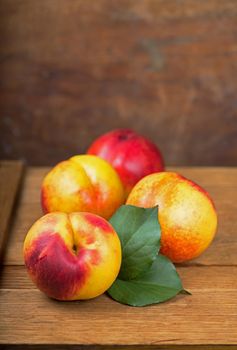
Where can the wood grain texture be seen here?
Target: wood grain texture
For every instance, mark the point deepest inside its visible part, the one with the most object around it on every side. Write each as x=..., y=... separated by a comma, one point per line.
x=71, y=70
x=10, y=175
x=205, y=320
x=220, y=182
x=115, y=347
x=194, y=278
x=207, y=317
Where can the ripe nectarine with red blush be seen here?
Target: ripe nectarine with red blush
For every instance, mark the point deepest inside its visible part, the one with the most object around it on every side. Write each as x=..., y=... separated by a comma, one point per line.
x=82, y=183
x=132, y=155
x=187, y=214
x=72, y=256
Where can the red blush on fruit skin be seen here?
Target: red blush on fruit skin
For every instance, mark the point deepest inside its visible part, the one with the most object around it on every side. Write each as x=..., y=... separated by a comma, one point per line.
x=56, y=270
x=99, y=222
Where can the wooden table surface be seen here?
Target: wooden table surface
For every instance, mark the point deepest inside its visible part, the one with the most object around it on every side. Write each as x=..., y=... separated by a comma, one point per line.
x=208, y=316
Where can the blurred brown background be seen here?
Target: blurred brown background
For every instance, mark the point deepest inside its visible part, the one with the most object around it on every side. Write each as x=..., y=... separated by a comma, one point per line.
x=71, y=70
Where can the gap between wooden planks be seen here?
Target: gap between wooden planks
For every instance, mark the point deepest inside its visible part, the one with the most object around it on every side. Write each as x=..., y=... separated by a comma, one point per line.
x=10, y=176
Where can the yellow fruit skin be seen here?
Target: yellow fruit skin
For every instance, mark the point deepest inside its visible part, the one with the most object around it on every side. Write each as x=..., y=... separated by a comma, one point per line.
x=187, y=214
x=72, y=256
x=82, y=183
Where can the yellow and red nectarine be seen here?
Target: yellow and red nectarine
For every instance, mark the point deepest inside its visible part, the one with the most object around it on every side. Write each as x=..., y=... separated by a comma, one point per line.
x=82, y=183
x=186, y=213
x=72, y=256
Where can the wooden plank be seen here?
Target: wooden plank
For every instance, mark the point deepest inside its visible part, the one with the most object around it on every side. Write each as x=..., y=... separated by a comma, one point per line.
x=116, y=347
x=161, y=67
x=194, y=278
x=204, y=320
x=220, y=182
x=209, y=316
x=10, y=175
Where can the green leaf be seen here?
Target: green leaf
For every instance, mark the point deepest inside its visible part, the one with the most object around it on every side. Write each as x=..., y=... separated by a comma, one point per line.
x=159, y=283
x=139, y=233
x=145, y=277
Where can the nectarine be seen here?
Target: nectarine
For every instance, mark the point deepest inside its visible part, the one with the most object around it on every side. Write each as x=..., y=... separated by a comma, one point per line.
x=132, y=155
x=72, y=256
x=82, y=183
x=186, y=213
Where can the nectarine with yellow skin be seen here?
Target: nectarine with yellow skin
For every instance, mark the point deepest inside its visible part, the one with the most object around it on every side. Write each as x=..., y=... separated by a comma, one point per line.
x=82, y=183
x=72, y=256
x=187, y=214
